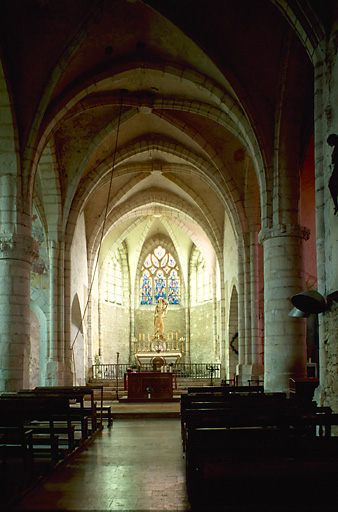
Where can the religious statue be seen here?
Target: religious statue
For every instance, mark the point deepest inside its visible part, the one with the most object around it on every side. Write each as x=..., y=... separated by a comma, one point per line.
x=160, y=314
x=332, y=141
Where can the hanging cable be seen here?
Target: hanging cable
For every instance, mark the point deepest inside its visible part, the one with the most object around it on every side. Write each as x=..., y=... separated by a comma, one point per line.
x=123, y=91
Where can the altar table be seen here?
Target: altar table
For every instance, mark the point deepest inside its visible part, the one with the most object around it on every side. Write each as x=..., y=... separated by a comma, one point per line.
x=149, y=385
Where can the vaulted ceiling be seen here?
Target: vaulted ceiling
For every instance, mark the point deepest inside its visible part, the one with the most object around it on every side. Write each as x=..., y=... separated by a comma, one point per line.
x=170, y=106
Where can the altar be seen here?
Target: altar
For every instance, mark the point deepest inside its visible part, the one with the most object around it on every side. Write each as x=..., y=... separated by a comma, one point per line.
x=148, y=359
x=149, y=386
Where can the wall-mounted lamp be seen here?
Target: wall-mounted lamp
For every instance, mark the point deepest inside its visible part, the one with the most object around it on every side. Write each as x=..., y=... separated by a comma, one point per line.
x=311, y=302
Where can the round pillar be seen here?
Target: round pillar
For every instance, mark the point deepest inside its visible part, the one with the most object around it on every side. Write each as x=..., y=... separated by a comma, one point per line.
x=285, y=336
x=17, y=253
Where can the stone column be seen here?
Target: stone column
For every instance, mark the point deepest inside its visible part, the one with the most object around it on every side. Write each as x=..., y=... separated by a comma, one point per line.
x=52, y=363
x=241, y=315
x=256, y=342
x=17, y=253
x=285, y=337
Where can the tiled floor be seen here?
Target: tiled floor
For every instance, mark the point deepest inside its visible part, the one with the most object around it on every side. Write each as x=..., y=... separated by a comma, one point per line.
x=136, y=465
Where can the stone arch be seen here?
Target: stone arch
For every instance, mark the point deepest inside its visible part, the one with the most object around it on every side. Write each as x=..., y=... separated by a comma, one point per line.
x=9, y=158
x=144, y=203
x=37, y=136
x=51, y=193
x=227, y=192
x=217, y=95
x=306, y=25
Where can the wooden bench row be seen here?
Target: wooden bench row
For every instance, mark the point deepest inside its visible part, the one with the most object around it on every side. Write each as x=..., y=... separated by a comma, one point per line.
x=48, y=424
x=236, y=443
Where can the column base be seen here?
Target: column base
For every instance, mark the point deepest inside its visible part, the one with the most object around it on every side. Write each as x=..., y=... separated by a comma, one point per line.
x=58, y=374
x=249, y=372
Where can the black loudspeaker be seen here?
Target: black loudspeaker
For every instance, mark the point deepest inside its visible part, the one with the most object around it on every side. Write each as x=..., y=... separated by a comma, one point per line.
x=310, y=302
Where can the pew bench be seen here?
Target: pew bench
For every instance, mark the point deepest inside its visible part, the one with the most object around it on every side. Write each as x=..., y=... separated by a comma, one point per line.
x=225, y=390
x=77, y=395
x=16, y=442
x=23, y=410
x=70, y=419
x=233, y=465
x=205, y=408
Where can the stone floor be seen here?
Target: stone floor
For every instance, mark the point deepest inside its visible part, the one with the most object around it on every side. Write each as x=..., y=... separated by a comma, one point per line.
x=136, y=465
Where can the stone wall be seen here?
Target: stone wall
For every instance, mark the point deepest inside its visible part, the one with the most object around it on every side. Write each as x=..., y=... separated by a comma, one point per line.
x=331, y=350
x=202, y=334
x=115, y=333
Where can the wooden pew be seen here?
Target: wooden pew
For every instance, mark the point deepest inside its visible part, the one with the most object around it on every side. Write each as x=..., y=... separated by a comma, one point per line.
x=16, y=458
x=277, y=469
x=26, y=409
x=196, y=407
x=104, y=411
x=80, y=414
x=225, y=389
x=96, y=411
x=16, y=442
x=245, y=438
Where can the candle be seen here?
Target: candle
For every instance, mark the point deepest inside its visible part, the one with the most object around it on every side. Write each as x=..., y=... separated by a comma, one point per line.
x=144, y=337
x=176, y=336
x=148, y=336
x=139, y=337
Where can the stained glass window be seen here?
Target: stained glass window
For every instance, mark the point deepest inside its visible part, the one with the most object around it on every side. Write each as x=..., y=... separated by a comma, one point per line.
x=146, y=288
x=113, y=281
x=160, y=285
x=174, y=287
x=160, y=277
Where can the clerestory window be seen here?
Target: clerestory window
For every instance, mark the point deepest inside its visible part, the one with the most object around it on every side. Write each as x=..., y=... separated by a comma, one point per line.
x=113, y=280
x=203, y=281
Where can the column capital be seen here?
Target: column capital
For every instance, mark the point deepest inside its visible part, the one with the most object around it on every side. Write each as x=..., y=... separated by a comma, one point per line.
x=18, y=247
x=283, y=230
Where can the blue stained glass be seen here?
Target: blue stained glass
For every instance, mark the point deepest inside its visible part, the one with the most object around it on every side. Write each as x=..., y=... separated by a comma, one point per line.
x=174, y=288
x=147, y=262
x=160, y=285
x=146, y=289
x=154, y=282
x=172, y=261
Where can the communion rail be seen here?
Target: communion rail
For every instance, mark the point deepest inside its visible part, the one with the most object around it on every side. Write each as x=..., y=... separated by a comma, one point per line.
x=182, y=370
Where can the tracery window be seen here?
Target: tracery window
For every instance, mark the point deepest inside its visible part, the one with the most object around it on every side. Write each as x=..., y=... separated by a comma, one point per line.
x=160, y=277
x=203, y=282
x=113, y=280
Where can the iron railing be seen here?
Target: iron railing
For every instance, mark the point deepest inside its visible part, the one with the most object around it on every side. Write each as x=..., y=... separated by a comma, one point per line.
x=182, y=370
x=109, y=371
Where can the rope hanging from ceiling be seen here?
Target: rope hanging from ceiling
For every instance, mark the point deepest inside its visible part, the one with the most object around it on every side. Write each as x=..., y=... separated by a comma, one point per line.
x=80, y=328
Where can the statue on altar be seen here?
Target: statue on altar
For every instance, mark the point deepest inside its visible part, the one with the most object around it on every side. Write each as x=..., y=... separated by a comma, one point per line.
x=160, y=314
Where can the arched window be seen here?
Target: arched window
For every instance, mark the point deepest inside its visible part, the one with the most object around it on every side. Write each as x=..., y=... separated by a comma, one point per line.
x=160, y=278
x=113, y=280
x=203, y=282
